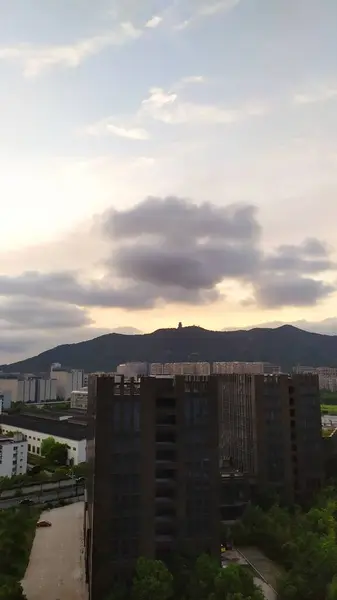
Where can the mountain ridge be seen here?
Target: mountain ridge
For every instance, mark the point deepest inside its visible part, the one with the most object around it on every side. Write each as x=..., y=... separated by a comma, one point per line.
x=285, y=345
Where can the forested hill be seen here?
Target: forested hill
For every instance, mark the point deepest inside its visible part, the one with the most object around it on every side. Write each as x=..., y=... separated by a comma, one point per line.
x=285, y=345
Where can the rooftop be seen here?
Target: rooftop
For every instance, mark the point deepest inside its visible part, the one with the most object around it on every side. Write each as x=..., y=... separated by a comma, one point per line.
x=65, y=429
x=9, y=440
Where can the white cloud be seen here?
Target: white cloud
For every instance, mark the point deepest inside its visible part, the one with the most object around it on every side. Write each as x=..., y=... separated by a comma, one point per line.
x=207, y=9
x=106, y=127
x=154, y=22
x=322, y=94
x=37, y=59
x=193, y=79
x=168, y=108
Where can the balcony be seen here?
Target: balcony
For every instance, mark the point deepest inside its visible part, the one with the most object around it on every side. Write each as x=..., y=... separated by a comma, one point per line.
x=164, y=540
x=167, y=500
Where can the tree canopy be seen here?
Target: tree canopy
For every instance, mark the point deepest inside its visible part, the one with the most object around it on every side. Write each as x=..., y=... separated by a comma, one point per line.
x=305, y=543
x=54, y=452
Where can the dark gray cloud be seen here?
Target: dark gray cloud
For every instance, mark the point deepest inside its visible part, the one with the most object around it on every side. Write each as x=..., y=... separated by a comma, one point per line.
x=311, y=256
x=170, y=250
x=280, y=291
x=193, y=267
x=174, y=218
x=32, y=313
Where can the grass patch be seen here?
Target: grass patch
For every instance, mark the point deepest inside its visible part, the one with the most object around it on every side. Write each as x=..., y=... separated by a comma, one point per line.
x=17, y=532
x=329, y=409
x=328, y=397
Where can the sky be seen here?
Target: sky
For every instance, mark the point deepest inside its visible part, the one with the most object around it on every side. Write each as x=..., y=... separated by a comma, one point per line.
x=165, y=161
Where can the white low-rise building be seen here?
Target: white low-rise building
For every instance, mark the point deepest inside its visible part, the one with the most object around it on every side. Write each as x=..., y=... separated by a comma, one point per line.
x=37, y=429
x=13, y=455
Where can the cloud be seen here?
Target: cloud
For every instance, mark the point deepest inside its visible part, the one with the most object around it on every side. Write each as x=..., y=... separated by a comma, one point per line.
x=35, y=60
x=30, y=324
x=31, y=313
x=283, y=290
x=201, y=9
x=106, y=127
x=154, y=22
x=311, y=256
x=168, y=108
x=209, y=9
x=171, y=250
x=325, y=327
x=193, y=79
x=319, y=94
x=15, y=345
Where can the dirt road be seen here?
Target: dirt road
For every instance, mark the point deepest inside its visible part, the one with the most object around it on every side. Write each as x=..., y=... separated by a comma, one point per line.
x=55, y=566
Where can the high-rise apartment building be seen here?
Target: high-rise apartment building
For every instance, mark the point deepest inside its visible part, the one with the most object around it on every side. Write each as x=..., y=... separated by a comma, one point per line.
x=155, y=483
x=270, y=429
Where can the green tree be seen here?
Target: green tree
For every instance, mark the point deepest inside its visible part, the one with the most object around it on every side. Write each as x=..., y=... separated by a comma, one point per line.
x=153, y=581
x=235, y=580
x=332, y=589
x=11, y=590
x=203, y=577
x=54, y=452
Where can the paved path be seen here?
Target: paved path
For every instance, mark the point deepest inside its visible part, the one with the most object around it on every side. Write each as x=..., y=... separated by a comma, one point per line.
x=268, y=592
x=55, y=566
x=268, y=569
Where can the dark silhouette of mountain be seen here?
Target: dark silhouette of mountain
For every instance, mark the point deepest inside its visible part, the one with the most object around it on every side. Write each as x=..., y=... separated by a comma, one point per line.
x=286, y=346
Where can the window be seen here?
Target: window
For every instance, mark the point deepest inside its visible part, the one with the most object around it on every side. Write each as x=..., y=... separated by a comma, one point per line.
x=33, y=448
x=166, y=402
x=37, y=450
x=29, y=448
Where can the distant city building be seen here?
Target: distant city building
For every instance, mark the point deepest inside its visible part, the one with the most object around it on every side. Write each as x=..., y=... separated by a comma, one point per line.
x=253, y=368
x=9, y=383
x=216, y=368
x=180, y=368
x=67, y=380
x=36, y=390
x=36, y=429
x=327, y=376
x=13, y=455
x=154, y=488
x=5, y=401
x=133, y=369
x=270, y=429
x=79, y=399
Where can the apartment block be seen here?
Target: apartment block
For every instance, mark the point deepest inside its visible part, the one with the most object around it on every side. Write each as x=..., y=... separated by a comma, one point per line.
x=270, y=429
x=13, y=455
x=155, y=482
